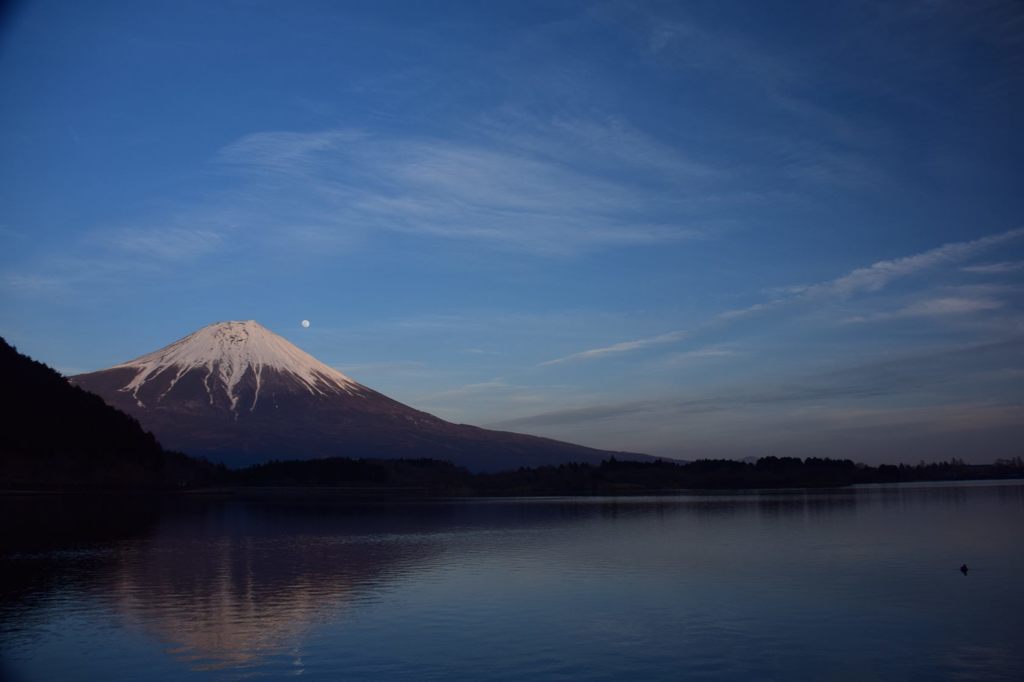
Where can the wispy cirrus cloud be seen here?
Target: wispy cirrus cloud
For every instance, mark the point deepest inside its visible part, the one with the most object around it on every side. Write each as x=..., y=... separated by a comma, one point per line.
x=555, y=186
x=496, y=384
x=36, y=285
x=480, y=351
x=551, y=187
x=622, y=347
x=935, y=307
x=872, y=278
x=110, y=255
x=174, y=243
x=842, y=154
x=995, y=268
x=579, y=415
x=608, y=145
x=701, y=354
x=877, y=276
x=880, y=274
x=67, y=277
x=498, y=395
x=912, y=374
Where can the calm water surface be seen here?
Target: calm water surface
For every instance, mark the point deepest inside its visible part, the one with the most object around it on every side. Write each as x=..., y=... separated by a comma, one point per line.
x=844, y=585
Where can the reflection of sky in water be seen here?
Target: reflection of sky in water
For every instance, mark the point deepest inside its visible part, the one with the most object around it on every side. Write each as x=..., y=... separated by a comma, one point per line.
x=844, y=585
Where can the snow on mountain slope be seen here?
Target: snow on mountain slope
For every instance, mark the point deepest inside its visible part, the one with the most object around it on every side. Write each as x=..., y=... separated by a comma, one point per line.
x=226, y=352
x=237, y=393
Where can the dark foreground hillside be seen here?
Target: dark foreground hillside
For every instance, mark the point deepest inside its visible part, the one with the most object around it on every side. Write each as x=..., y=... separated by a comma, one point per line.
x=56, y=435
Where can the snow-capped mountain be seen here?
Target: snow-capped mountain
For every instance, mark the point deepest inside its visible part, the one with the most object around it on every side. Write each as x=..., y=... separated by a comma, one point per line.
x=232, y=358
x=238, y=393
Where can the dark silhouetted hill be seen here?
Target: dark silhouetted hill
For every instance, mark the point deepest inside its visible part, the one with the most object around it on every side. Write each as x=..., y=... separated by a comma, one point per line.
x=56, y=435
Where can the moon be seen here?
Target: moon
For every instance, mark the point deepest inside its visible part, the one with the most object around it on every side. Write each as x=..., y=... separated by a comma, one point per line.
x=305, y=324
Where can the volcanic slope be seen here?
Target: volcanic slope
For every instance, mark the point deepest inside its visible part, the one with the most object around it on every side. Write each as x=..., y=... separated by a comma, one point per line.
x=237, y=393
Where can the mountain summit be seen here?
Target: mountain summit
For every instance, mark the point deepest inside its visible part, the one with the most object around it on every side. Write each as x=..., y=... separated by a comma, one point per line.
x=233, y=358
x=236, y=392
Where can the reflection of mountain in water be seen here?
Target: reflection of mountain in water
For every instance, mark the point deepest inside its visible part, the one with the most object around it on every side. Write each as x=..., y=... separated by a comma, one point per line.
x=246, y=582
x=746, y=586
x=220, y=582
x=227, y=582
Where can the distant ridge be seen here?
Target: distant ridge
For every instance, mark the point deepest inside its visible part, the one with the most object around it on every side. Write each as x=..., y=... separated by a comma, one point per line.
x=237, y=393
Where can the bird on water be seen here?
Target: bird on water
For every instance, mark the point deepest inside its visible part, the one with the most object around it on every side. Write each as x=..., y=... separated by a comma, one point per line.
x=963, y=568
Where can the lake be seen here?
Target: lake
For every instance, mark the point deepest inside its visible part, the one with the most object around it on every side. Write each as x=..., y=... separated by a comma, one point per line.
x=851, y=584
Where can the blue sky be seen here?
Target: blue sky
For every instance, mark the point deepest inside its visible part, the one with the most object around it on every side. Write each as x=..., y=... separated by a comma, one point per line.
x=690, y=229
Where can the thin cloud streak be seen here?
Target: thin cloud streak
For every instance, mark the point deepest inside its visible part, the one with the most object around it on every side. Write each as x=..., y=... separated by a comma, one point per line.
x=700, y=354
x=910, y=375
x=868, y=279
x=878, y=275
x=623, y=347
x=995, y=268
x=936, y=307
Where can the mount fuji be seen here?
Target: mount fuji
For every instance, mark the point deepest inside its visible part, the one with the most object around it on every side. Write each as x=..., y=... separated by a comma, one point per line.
x=237, y=393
